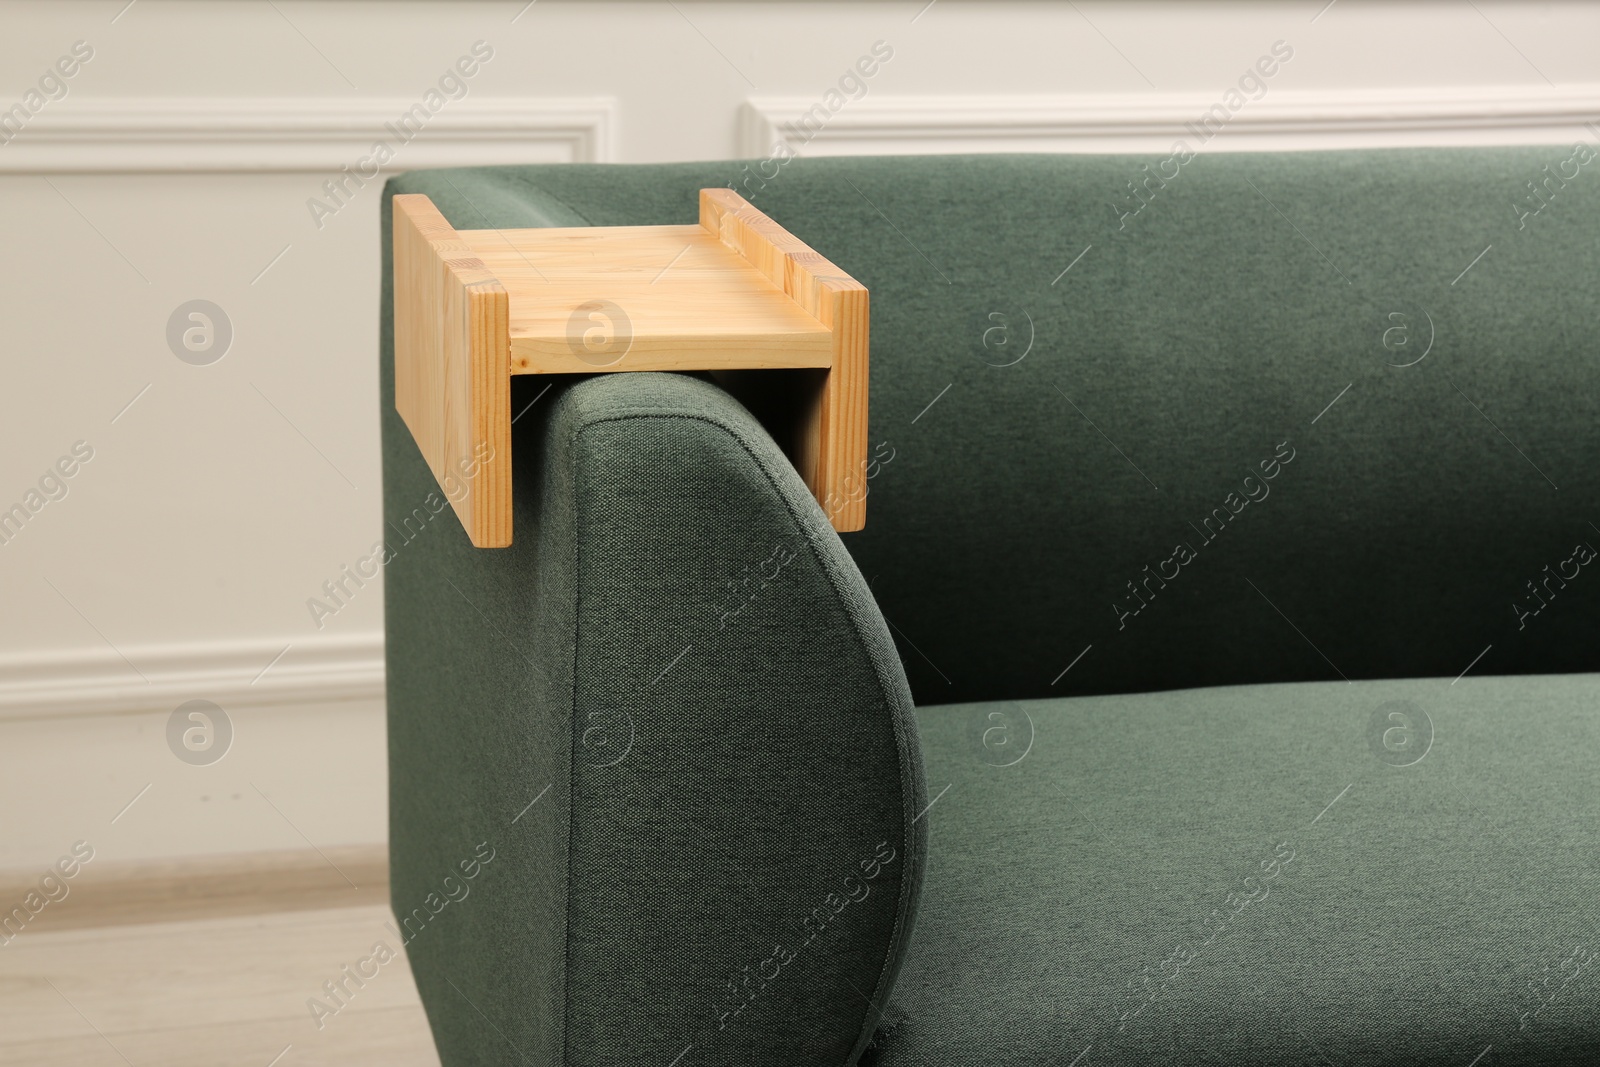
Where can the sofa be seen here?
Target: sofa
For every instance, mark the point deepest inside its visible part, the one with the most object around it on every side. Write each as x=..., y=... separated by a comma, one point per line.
x=1216, y=679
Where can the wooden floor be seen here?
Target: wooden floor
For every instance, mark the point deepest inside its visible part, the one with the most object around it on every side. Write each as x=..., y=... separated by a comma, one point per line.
x=220, y=988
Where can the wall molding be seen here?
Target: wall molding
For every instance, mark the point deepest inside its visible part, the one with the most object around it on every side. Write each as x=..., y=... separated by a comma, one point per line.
x=187, y=888
x=1150, y=122
x=98, y=681
x=265, y=135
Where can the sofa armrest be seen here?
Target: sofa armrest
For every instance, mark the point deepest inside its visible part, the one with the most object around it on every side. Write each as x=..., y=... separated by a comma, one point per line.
x=654, y=779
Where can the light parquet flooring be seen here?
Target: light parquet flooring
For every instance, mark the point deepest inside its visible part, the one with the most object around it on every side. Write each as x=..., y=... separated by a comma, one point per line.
x=208, y=992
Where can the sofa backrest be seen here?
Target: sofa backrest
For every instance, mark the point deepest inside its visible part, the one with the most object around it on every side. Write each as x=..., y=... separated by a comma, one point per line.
x=1208, y=418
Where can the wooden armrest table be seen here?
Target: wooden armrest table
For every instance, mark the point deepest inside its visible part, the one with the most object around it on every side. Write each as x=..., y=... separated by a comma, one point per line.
x=735, y=293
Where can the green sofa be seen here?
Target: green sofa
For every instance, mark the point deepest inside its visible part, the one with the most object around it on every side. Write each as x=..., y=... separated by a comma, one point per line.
x=1214, y=681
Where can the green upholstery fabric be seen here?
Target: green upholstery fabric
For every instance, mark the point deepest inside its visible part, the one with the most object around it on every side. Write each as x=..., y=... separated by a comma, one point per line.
x=653, y=762
x=1442, y=896
x=1062, y=392
x=1218, y=323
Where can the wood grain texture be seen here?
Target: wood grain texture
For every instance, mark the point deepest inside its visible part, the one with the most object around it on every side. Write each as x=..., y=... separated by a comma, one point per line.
x=200, y=992
x=637, y=298
x=831, y=454
x=452, y=367
x=737, y=293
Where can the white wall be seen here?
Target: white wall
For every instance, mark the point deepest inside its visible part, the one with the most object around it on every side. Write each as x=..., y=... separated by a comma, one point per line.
x=179, y=165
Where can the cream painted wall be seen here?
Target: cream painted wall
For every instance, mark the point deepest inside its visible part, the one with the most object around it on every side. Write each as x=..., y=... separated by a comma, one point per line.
x=179, y=562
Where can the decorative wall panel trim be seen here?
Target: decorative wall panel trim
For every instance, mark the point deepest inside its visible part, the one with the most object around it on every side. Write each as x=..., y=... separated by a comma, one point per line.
x=99, y=681
x=1100, y=122
x=134, y=135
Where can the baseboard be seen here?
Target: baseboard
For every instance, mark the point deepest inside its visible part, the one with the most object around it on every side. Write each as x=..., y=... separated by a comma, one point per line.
x=1150, y=122
x=202, y=887
x=98, y=681
x=255, y=135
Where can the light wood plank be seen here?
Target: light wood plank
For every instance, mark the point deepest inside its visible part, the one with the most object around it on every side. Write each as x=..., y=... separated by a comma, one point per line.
x=204, y=992
x=735, y=294
x=452, y=367
x=831, y=454
x=670, y=298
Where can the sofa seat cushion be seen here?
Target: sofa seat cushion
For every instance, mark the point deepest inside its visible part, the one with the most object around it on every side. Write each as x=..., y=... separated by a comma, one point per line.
x=1388, y=872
